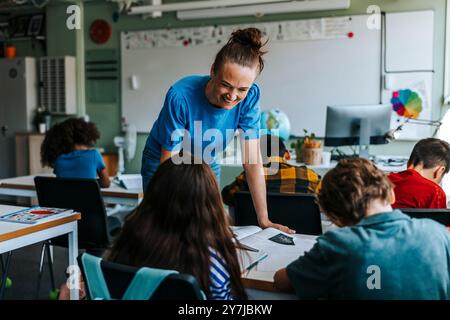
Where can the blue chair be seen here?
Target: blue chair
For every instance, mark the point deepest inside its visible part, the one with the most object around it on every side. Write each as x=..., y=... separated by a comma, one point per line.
x=107, y=280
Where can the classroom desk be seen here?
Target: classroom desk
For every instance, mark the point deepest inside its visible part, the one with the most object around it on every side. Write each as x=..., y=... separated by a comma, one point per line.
x=24, y=187
x=17, y=235
x=231, y=167
x=321, y=168
x=259, y=281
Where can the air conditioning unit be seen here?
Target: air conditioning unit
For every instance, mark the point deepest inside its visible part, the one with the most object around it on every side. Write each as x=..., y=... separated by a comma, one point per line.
x=57, y=85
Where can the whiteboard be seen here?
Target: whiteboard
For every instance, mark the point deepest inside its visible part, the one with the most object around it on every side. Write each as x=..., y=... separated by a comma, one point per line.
x=310, y=64
x=409, y=65
x=409, y=41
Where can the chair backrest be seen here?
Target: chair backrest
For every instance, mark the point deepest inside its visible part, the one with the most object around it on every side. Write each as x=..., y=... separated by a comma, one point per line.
x=81, y=195
x=298, y=211
x=438, y=215
x=118, y=277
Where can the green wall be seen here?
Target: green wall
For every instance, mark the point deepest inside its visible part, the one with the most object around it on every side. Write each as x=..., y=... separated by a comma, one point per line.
x=106, y=112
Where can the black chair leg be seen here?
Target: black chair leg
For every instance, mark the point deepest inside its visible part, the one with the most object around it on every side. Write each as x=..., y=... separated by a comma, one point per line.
x=41, y=267
x=49, y=249
x=5, y=267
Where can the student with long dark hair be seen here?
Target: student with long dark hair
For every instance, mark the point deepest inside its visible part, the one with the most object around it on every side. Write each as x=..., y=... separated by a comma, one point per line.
x=181, y=224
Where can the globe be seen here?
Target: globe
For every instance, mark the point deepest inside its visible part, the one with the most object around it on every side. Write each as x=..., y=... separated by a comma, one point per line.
x=276, y=123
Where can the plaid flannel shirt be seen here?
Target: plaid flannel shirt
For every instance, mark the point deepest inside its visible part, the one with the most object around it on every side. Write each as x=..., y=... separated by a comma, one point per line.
x=285, y=179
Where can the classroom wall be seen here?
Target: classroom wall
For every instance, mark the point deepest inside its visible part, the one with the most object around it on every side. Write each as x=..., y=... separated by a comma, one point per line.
x=107, y=114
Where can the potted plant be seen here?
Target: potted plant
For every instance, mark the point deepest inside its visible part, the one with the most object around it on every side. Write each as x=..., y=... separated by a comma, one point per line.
x=8, y=49
x=308, y=149
x=42, y=120
x=297, y=146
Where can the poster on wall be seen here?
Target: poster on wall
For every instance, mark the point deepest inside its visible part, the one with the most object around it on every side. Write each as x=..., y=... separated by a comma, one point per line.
x=409, y=94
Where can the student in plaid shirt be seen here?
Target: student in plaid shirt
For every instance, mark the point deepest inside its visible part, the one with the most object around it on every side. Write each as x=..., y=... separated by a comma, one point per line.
x=285, y=178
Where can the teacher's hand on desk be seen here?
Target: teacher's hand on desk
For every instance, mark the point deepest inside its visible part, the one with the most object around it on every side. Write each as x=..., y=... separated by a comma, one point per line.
x=270, y=224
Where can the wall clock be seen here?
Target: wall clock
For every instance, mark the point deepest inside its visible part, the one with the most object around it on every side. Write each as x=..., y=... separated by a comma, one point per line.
x=100, y=31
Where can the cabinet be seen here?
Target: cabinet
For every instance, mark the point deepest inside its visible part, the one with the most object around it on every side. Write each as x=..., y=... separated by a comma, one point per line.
x=18, y=100
x=111, y=163
x=28, y=154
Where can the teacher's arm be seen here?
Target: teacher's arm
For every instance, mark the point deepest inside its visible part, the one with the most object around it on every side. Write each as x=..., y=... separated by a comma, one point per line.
x=252, y=162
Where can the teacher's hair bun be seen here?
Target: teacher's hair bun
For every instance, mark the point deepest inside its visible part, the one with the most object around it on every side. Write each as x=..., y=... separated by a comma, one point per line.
x=243, y=48
x=251, y=37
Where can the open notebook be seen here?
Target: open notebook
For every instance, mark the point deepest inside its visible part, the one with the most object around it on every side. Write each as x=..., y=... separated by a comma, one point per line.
x=249, y=256
x=129, y=181
x=276, y=249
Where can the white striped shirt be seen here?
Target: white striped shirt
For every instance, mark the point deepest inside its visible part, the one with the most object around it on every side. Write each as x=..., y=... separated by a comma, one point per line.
x=220, y=284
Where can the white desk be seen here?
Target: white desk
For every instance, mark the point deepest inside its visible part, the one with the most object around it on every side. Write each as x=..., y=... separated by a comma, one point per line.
x=17, y=235
x=235, y=164
x=24, y=187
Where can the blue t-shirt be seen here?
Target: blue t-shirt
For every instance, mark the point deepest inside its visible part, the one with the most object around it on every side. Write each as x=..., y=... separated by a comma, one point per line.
x=384, y=256
x=186, y=104
x=79, y=164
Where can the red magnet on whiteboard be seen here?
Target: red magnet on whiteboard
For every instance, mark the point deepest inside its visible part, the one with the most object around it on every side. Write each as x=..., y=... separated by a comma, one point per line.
x=185, y=43
x=350, y=34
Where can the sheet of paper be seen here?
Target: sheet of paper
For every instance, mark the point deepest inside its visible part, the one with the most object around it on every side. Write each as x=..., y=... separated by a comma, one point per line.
x=244, y=231
x=129, y=181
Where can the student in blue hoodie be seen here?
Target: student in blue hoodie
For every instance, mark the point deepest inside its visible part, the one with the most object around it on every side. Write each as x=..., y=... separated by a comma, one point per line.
x=68, y=148
x=378, y=253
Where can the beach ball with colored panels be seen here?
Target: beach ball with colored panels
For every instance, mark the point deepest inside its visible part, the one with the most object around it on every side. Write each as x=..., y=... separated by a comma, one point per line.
x=406, y=103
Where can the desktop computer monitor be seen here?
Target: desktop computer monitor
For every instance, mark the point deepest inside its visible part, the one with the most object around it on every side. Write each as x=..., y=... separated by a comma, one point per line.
x=361, y=125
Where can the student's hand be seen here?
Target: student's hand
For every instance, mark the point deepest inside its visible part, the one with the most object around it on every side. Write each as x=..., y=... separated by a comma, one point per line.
x=281, y=281
x=104, y=180
x=270, y=224
x=64, y=292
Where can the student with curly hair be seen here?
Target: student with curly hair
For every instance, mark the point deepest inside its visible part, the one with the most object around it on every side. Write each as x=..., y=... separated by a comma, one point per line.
x=68, y=148
x=378, y=253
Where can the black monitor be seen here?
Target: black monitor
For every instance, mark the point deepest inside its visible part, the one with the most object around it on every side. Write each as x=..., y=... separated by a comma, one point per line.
x=361, y=125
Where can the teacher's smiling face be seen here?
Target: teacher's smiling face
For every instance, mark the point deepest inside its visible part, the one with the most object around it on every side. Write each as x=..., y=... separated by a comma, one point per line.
x=229, y=85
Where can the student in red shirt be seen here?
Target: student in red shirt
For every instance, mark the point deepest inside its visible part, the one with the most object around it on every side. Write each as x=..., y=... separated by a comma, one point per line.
x=418, y=186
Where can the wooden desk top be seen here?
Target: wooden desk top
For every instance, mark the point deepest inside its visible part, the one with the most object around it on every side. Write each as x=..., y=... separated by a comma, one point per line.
x=11, y=230
x=260, y=281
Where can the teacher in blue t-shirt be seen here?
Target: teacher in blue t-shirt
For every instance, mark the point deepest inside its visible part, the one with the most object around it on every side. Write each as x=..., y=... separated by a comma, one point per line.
x=203, y=112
